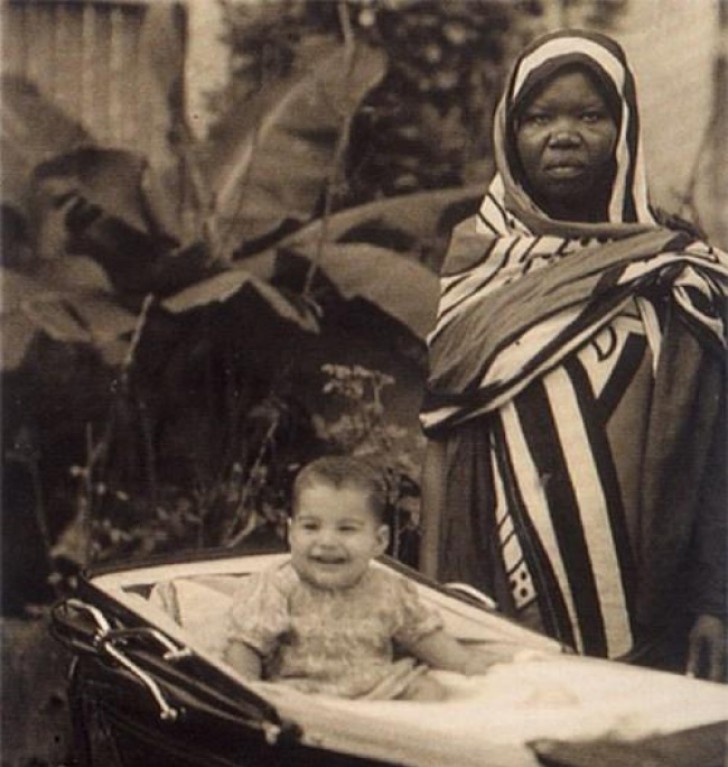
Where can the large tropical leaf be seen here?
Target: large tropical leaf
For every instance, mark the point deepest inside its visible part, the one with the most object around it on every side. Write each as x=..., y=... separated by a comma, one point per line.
x=275, y=153
x=170, y=189
x=97, y=202
x=358, y=258
x=108, y=179
x=415, y=223
x=418, y=225
x=392, y=283
x=32, y=130
x=227, y=285
x=71, y=304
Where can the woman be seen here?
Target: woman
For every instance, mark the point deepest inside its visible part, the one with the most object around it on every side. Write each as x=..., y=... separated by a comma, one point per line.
x=575, y=406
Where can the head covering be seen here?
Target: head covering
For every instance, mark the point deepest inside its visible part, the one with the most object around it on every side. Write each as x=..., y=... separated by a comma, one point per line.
x=538, y=63
x=520, y=290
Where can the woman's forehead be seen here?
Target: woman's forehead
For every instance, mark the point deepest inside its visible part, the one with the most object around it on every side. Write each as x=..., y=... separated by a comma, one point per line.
x=572, y=83
x=556, y=52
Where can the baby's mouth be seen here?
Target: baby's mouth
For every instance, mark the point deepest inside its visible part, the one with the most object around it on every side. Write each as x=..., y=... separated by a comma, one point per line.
x=329, y=561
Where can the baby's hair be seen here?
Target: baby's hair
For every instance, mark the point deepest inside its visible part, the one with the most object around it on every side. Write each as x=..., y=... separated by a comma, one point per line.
x=339, y=471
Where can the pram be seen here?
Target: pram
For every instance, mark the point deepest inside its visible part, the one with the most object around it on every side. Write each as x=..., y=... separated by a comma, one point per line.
x=148, y=687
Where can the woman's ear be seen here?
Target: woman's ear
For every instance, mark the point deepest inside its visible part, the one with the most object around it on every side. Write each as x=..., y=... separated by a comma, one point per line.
x=382, y=539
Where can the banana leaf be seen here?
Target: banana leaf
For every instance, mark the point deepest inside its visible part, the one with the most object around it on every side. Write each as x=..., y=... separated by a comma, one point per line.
x=276, y=152
x=388, y=282
x=32, y=131
x=407, y=223
x=69, y=303
x=230, y=284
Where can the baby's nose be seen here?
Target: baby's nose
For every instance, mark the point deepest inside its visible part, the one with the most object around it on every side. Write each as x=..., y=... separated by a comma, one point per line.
x=326, y=537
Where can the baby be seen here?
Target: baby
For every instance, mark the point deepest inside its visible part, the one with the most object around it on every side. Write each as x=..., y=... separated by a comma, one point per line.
x=327, y=621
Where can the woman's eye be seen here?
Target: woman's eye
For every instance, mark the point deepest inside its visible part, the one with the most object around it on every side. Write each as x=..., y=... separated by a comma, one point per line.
x=347, y=529
x=592, y=117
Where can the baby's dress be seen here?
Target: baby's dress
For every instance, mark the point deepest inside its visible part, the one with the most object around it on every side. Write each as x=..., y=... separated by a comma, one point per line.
x=334, y=642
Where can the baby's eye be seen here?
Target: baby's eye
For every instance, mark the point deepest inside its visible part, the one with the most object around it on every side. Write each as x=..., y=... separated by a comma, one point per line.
x=536, y=118
x=308, y=526
x=348, y=528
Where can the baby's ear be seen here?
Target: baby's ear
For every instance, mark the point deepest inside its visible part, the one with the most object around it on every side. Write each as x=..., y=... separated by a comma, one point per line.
x=383, y=538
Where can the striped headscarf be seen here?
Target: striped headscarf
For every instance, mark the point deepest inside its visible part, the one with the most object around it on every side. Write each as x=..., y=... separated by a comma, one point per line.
x=520, y=290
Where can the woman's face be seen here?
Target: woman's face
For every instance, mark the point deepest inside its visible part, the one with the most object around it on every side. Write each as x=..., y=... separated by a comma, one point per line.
x=565, y=139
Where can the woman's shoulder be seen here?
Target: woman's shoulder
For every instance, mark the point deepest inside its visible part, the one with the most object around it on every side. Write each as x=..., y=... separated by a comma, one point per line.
x=677, y=223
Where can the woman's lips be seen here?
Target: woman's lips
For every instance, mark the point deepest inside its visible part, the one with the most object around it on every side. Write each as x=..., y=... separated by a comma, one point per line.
x=565, y=169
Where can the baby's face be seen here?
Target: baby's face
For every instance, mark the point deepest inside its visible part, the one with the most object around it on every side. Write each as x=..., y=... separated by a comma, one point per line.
x=334, y=535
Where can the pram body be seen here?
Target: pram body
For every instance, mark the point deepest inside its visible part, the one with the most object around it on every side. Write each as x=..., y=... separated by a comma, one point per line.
x=148, y=688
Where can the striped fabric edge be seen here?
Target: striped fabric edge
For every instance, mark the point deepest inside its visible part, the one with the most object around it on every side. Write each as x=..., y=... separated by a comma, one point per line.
x=545, y=436
x=510, y=361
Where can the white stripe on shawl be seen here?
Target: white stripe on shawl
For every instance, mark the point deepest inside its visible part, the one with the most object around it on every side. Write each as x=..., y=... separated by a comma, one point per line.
x=511, y=360
x=590, y=500
x=536, y=503
x=524, y=590
x=512, y=256
x=621, y=154
x=652, y=329
x=640, y=194
x=599, y=355
x=565, y=46
x=514, y=358
x=491, y=212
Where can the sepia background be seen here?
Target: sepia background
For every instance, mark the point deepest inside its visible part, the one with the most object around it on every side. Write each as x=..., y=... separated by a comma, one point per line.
x=221, y=229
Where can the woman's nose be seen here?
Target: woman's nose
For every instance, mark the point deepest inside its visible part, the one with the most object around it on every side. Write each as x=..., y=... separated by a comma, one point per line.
x=564, y=134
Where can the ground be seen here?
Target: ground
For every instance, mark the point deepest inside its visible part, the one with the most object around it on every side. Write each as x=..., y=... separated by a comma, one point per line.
x=34, y=711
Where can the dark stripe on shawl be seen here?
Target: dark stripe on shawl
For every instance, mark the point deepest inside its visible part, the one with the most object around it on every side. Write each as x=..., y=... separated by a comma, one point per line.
x=552, y=607
x=604, y=462
x=490, y=196
x=629, y=211
x=488, y=224
x=478, y=287
x=464, y=273
x=529, y=249
x=474, y=395
x=623, y=373
x=542, y=437
x=591, y=315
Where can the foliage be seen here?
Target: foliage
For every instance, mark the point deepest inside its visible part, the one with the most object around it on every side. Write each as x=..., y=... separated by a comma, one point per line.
x=203, y=293
x=426, y=125
x=362, y=429
x=251, y=493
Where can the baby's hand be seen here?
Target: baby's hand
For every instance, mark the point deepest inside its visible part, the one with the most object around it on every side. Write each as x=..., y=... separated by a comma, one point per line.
x=478, y=663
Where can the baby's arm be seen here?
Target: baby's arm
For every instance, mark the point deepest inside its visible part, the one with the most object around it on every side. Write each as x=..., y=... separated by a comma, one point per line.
x=441, y=650
x=244, y=659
